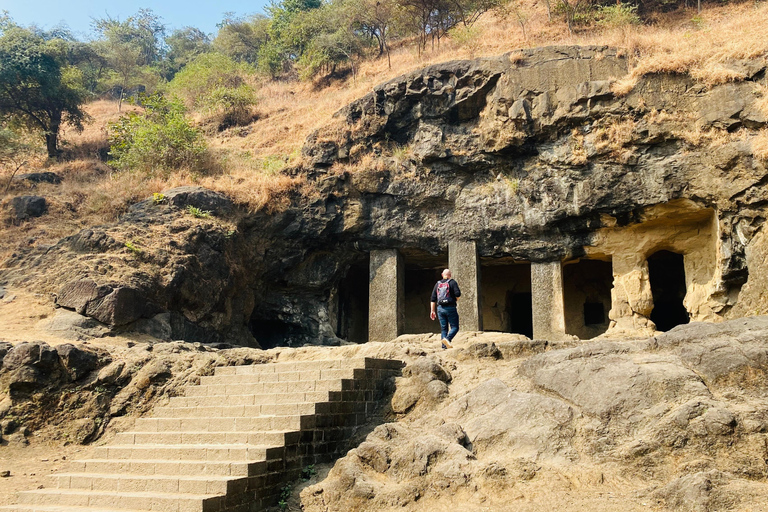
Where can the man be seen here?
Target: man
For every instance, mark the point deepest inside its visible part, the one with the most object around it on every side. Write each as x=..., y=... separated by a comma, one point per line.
x=444, y=296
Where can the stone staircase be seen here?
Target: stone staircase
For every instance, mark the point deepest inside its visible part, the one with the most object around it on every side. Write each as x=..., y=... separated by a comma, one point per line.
x=230, y=444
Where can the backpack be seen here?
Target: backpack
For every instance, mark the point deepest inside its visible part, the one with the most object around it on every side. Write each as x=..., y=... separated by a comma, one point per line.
x=444, y=293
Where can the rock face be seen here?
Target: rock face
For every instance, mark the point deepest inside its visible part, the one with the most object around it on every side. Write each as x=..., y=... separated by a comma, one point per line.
x=678, y=419
x=650, y=202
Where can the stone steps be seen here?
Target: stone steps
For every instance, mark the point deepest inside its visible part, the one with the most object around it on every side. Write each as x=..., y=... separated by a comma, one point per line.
x=236, y=400
x=263, y=438
x=165, y=467
x=229, y=445
x=235, y=411
x=220, y=424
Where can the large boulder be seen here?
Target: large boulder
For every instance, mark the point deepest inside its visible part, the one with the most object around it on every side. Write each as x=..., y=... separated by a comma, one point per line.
x=109, y=304
x=77, y=361
x=199, y=197
x=27, y=207
x=40, y=177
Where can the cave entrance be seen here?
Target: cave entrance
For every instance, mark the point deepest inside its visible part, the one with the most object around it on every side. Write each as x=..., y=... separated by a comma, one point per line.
x=353, y=297
x=271, y=333
x=666, y=272
x=587, y=288
x=422, y=271
x=505, y=286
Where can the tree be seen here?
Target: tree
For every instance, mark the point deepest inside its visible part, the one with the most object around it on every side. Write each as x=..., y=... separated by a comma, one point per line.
x=184, y=45
x=242, y=38
x=130, y=47
x=13, y=151
x=216, y=85
x=38, y=89
x=375, y=18
x=157, y=141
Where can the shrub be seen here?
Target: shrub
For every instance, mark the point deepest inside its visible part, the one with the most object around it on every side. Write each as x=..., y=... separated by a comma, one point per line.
x=156, y=141
x=217, y=86
x=618, y=15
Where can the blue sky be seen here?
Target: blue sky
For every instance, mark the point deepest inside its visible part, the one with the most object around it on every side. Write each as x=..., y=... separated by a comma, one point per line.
x=78, y=13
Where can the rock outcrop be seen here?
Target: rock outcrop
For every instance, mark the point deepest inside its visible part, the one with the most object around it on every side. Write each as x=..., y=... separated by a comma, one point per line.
x=531, y=156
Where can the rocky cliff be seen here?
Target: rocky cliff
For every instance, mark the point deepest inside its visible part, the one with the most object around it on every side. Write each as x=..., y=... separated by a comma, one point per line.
x=531, y=155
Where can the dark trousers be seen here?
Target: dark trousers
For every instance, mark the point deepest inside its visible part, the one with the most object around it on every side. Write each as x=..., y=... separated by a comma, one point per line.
x=448, y=316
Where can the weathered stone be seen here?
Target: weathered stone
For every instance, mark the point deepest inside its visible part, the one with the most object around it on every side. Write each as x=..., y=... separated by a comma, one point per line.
x=27, y=207
x=35, y=354
x=428, y=367
x=77, y=361
x=465, y=265
x=548, y=307
x=386, y=306
x=40, y=177
x=524, y=424
x=199, y=197
x=109, y=305
x=69, y=324
x=5, y=347
x=404, y=399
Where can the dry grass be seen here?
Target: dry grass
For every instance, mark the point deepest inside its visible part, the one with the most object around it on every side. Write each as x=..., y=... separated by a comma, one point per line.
x=614, y=135
x=760, y=145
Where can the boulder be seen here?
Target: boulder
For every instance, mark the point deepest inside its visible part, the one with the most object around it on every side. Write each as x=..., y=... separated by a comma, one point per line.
x=112, y=305
x=77, y=361
x=427, y=369
x=35, y=354
x=40, y=177
x=199, y=197
x=27, y=207
x=69, y=324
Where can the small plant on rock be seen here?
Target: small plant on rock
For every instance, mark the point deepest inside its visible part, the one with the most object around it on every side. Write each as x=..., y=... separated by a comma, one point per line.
x=308, y=472
x=135, y=249
x=158, y=198
x=285, y=495
x=197, y=212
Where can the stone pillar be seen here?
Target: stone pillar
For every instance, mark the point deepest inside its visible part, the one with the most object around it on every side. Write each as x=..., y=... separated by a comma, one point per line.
x=386, y=309
x=547, y=297
x=465, y=265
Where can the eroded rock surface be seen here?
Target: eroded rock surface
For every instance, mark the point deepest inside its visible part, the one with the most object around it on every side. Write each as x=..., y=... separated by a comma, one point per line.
x=678, y=435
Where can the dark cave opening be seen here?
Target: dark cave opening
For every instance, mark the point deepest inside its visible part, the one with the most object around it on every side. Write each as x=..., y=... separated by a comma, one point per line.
x=587, y=288
x=666, y=271
x=506, y=296
x=271, y=333
x=353, y=301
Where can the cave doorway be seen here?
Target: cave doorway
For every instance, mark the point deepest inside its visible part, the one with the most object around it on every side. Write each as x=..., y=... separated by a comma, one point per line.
x=422, y=271
x=505, y=286
x=271, y=333
x=353, y=300
x=587, y=286
x=666, y=273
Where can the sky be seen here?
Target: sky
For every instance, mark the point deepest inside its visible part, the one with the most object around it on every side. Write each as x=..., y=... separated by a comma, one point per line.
x=77, y=14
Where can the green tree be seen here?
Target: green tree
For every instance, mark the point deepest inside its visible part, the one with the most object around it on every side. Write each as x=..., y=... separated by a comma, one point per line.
x=377, y=19
x=242, y=38
x=130, y=48
x=216, y=85
x=39, y=90
x=183, y=46
x=158, y=140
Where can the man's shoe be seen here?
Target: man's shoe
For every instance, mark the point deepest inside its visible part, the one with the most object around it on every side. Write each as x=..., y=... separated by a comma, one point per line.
x=445, y=344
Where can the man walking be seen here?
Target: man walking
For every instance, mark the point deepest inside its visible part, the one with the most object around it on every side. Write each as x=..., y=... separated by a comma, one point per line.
x=443, y=303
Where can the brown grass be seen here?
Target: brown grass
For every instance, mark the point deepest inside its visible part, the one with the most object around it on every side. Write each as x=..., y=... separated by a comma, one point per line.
x=760, y=145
